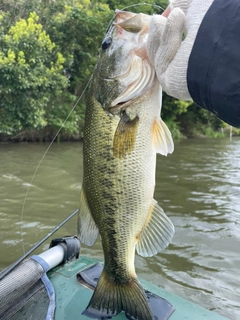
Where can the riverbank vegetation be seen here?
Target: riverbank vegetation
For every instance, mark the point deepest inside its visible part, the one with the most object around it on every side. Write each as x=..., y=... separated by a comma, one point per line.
x=48, y=50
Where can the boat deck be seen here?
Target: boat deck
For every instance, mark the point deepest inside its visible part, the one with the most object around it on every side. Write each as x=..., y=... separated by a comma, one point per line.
x=72, y=298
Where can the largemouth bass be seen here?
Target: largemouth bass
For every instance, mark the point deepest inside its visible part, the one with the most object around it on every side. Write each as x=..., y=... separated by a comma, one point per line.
x=123, y=133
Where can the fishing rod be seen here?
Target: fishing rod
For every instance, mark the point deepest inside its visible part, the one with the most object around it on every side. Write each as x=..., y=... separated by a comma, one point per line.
x=16, y=263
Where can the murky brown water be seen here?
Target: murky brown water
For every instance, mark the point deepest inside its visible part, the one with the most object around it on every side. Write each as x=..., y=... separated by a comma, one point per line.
x=198, y=187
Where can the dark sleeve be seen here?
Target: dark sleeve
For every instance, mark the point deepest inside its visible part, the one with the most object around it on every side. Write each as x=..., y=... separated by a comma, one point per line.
x=214, y=64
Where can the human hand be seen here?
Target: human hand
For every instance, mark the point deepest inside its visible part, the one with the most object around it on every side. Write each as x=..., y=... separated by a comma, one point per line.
x=167, y=51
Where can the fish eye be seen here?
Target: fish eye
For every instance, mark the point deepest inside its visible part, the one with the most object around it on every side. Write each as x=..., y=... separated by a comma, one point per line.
x=106, y=43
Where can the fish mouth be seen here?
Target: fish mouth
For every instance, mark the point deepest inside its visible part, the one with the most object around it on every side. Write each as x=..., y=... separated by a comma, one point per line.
x=120, y=107
x=136, y=75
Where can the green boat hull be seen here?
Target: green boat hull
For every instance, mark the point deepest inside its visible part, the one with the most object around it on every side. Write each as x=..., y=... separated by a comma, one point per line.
x=72, y=297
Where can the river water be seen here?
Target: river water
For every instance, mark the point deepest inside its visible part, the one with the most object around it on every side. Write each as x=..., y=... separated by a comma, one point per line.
x=198, y=186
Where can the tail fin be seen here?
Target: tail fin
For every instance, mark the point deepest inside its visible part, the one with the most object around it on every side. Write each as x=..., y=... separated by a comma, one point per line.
x=110, y=298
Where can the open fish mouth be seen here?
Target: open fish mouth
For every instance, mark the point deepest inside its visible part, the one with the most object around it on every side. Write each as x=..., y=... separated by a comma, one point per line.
x=136, y=74
x=119, y=160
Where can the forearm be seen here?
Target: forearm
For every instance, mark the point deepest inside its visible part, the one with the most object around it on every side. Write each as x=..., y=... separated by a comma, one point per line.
x=171, y=57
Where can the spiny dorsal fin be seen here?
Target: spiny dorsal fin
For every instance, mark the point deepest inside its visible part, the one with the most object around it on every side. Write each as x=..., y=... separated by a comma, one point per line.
x=162, y=137
x=87, y=229
x=156, y=233
x=125, y=136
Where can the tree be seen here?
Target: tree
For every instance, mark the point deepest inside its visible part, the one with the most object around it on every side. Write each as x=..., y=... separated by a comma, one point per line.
x=31, y=70
x=78, y=31
x=48, y=50
x=149, y=8
x=73, y=31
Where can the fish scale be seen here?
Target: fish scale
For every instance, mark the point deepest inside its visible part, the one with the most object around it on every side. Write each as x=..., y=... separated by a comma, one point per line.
x=119, y=160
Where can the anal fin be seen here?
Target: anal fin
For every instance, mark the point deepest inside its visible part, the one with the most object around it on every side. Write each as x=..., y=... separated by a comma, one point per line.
x=87, y=229
x=156, y=233
x=162, y=137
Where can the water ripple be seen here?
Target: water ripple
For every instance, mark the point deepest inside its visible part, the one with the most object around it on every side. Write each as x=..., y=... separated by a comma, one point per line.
x=198, y=187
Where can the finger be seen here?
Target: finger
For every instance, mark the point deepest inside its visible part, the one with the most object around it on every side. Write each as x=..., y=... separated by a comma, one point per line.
x=170, y=41
x=174, y=80
x=156, y=28
x=166, y=12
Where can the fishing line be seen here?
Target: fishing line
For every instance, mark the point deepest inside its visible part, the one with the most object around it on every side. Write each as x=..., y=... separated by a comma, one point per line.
x=143, y=4
x=41, y=160
x=33, y=248
x=134, y=5
x=84, y=90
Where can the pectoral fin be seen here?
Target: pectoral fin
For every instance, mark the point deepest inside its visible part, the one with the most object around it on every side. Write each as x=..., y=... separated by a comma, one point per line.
x=162, y=138
x=87, y=229
x=156, y=233
x=125, y=136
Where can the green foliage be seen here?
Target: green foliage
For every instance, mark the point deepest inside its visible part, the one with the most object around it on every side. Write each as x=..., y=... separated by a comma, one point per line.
x=144, y=7
x=172, y=107
x=199, y=122
x=78, y=31
x=162, y=3
x=30, y=71
x=48, y=50
x=82, y=28
x=46, y=62
x=173, y=126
